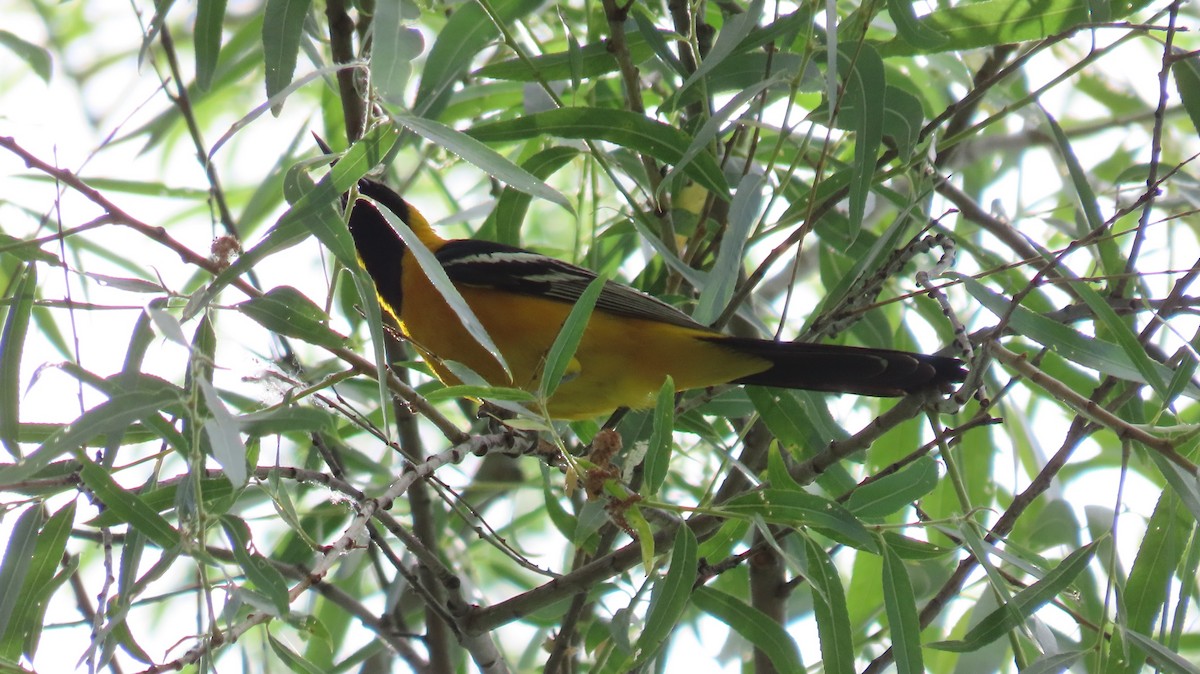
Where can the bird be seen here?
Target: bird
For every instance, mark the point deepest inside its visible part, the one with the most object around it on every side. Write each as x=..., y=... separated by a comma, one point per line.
x=632, y=340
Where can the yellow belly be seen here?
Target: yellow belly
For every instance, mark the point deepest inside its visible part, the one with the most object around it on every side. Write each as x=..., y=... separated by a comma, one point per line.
x=621, y=361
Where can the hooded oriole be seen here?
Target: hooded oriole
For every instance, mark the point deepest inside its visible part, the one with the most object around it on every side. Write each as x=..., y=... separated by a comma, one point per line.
x=632, y=340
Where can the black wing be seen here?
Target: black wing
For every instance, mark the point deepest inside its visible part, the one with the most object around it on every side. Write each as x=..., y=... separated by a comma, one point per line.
x=495, y=265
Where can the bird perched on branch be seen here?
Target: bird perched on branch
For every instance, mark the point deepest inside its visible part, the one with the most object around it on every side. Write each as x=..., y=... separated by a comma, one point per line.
x=632, y=340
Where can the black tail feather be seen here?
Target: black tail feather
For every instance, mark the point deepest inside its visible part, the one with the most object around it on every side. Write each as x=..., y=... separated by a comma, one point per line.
x=847, y=369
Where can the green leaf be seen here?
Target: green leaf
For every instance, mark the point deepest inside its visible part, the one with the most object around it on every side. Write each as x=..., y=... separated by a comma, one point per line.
x=1055, y=663
x=504, y=222
x=923, y=36
x=753, y=625
x=468, y=30
x=25, y=624
x=1186, y=72
x=515, y=395
x=861, y=110
x=564, y=521
x=294, y=661
x=12, y=345
x=592, y=60
x=830, y=610
x=486, y=159
x=1023, y=604
x=893, y=492
x=312, y=213
x=671, y=598
x=162, y=499
x=798, y=508
x=658, y=454
x=903, y=621
x=283, y=29
x=1152, y=575
x=743, y=214
x=224, y=437
x=394, y=48
x=562, y=352
x=288, y=419
x=37, y=58
x=437, y=276
x=1089, y=352
x=995, y=22
x=903, y=117
x=1165, y=659
x=287, y=311
x=210, y=14
x=18, y=556
x=139, y=401
x=258, y=569
x=26, y=251
x=622, y=127
x=733, y=33
x=128, y=506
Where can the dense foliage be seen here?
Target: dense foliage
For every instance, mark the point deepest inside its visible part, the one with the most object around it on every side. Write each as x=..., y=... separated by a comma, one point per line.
x=203, y=468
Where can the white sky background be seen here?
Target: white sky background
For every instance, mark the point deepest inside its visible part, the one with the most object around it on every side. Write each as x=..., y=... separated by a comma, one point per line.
x=52, y=121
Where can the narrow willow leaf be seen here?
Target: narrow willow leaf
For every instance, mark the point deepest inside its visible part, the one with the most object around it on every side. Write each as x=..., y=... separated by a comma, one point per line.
x=996, y=22
x=37, y=58
x=116, y=415
x=287, y=311
x=562, y=352
x=25, y=623
x=311, y=213
x=718, y=124
x=862, y=109
x=210, y=14
x=564, y=521
x=283, y=29
x=903, y=621
x=12, y=345
x=515, y=395
x=437, y=276
x=486, y=159
x=289, y=419
x=224, y=437
x=1186, y=72
x=468, y=30
x=592, y=60
x=394, y=48
x=1152, y=574
x=830, y=610
x=128, y=506
x=504, y=223
x=1023, y=604
x=671, y=598
x=658, y=453
x=743, y=214
x=258, y=569
x=753, y=625
x=777, y=470
x=1165, y=659
x=18, y=554
x=294, y=661
x=798, y=508
x=1089, y=352
x=622, y=127
x=162, y=499
x=893, y=492
x=1055, y=663
x=924, y=36
x=733, y=33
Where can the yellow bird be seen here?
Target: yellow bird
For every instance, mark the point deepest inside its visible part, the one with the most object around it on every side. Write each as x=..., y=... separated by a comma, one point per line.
x=632, y=340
